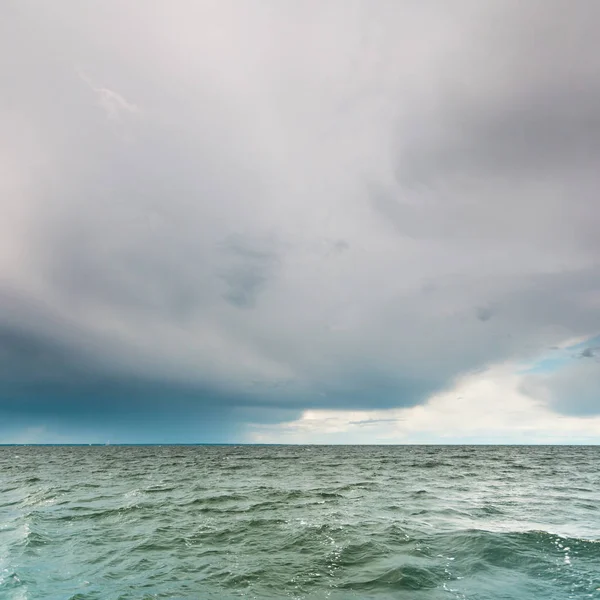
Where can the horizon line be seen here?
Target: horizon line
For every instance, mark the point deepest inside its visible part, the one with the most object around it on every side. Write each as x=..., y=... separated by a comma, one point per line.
x=234, y=444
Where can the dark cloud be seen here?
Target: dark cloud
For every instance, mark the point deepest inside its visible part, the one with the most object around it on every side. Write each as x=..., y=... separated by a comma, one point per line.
x=46, y=383
x=25, y=357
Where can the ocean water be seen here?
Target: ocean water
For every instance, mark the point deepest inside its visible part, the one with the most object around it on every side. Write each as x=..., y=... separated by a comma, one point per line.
x=303, y=522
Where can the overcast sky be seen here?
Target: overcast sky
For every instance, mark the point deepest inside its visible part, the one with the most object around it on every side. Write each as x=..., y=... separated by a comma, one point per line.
x=317, y=221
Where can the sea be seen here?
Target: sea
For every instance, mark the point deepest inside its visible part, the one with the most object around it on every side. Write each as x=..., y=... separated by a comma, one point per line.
x=301, y=522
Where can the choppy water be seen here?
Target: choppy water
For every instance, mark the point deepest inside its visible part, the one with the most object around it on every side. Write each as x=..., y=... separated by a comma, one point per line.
x=299, y=522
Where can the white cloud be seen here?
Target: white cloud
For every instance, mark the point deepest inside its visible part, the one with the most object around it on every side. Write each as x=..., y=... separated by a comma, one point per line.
x=484, y=408
x=111, y=102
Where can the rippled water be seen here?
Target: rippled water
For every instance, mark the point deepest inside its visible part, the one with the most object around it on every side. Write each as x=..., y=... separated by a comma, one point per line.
x=299, y=522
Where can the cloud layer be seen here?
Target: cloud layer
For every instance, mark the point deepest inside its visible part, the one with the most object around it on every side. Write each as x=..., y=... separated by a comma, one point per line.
x=490, y=409
x=264, y=208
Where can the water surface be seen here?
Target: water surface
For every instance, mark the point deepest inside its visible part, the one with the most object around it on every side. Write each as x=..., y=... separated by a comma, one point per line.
x=305, y=522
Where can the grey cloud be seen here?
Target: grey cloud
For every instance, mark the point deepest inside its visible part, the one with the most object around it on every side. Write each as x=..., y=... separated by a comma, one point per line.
x=366, y=422
x=321, y=225
x=340, y=245
x=484, y=313
x=572, y=390
x=25, y=357
x=524, y=138
x=508, y=158
x=252, y=264
x=245, y=283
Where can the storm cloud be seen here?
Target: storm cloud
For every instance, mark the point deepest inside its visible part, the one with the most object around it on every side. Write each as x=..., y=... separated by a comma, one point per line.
x=224, y=212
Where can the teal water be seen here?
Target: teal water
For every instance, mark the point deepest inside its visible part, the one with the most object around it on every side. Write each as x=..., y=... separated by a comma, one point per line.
x=299, y=522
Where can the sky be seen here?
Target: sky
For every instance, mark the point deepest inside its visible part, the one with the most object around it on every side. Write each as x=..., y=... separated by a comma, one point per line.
x=328, y=221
